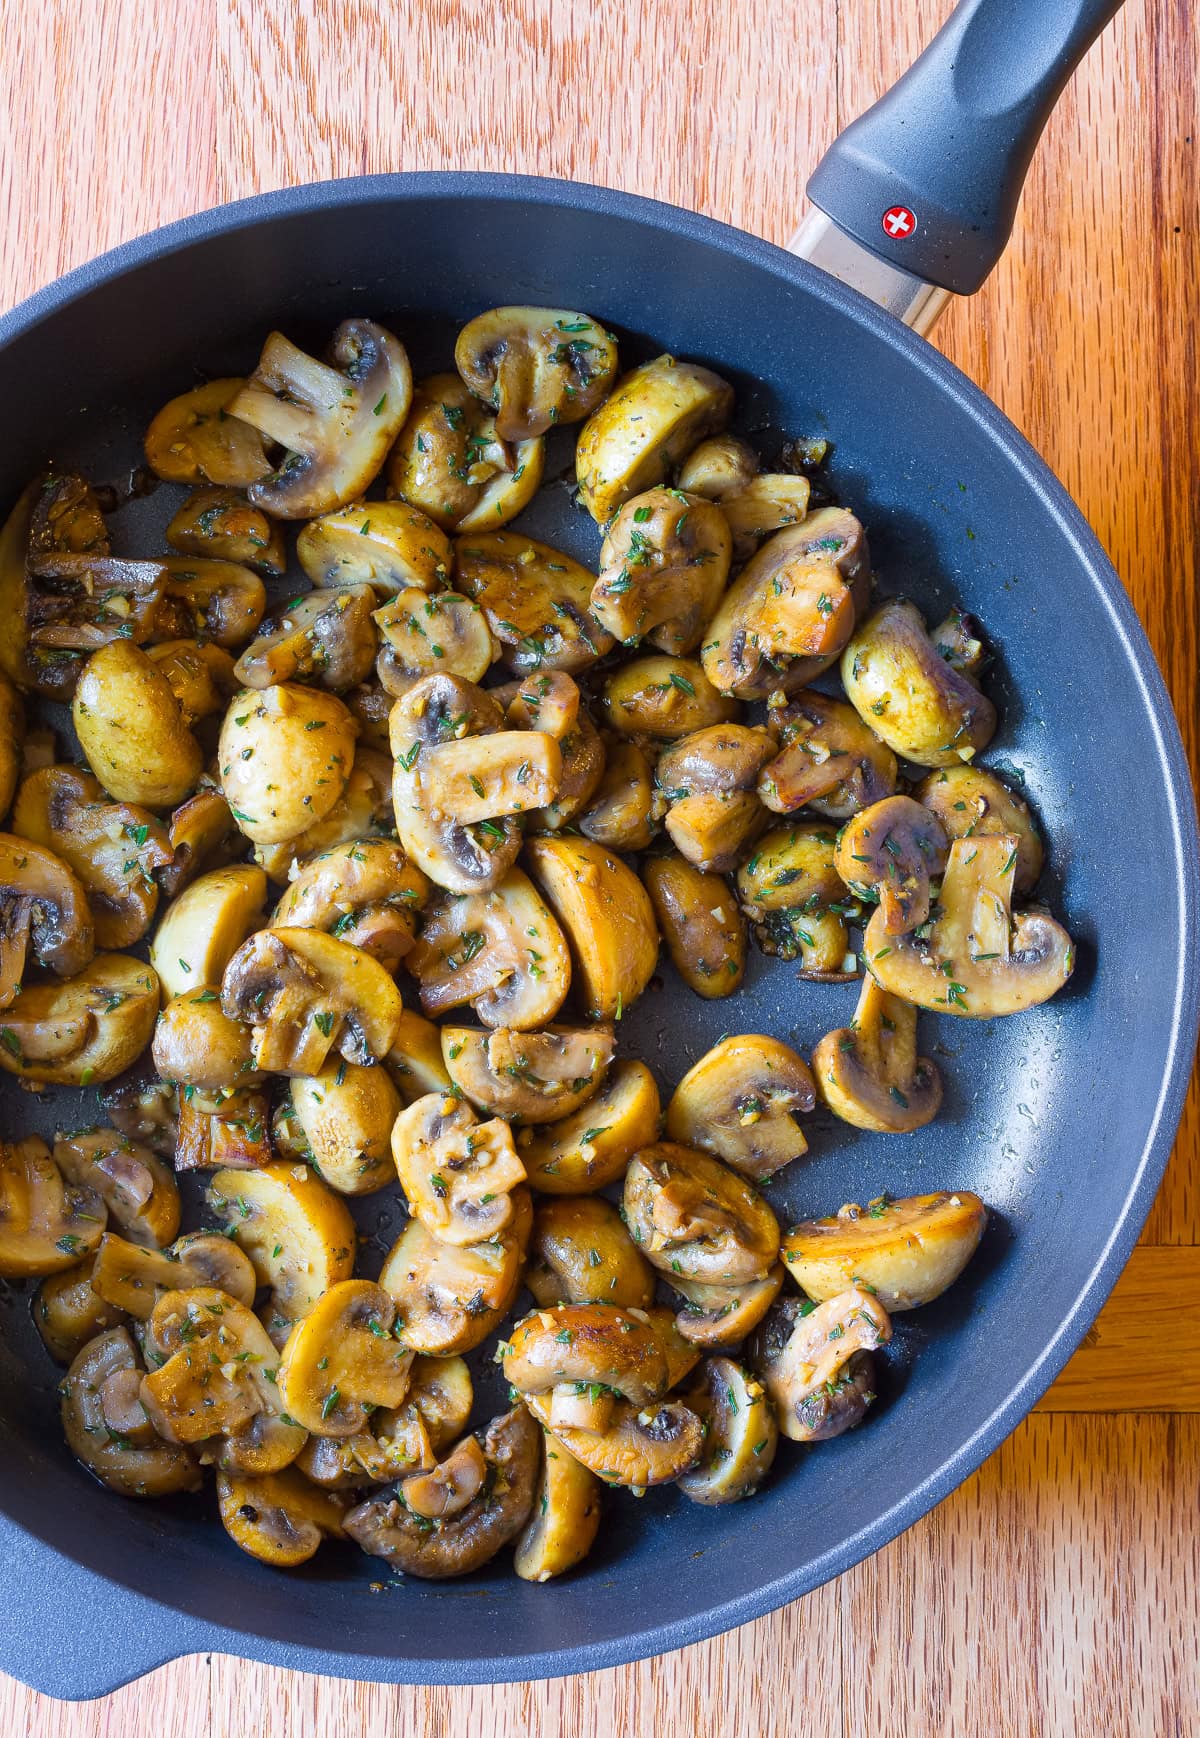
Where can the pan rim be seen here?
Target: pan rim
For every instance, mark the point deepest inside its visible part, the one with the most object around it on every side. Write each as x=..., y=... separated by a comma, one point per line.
x=194, y=1633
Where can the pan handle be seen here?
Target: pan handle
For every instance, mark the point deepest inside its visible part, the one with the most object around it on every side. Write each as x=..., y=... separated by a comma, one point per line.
x=927, y=181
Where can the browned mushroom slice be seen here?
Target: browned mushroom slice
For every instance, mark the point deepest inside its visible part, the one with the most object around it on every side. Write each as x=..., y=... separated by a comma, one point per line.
x=643, y=1446
x=198, y=1046
x=740, y=1102
x=464, y=1541
x=234, y=1134
x=202, y=930
x=607, y=916
x=796, y=900
x=12, y=743
x=565, y=1519
x=193, y=439
x=584, y=1358
x=222, y=524
x=807, y=1360
x=663, y=567
x=55, y=514
x=450, y=1297
x=905, y=1252
x=458, y=1173
x=427, y=634
x=970, y=801
x=923, y=706
x=138, y=1190
x=385, y=544
x=201, y=676
x=336, y=419
x=580, y=1252
x=829, y=760
x=450, y=463
x=708, y=780
x=502, y=952
x=297, y=1232
x=146, y=1109
x=398, y=1440
x=366, y=893
x=869, y=1073
x=699, y=919
x=414, y=1061
x=341, y=1360
x=536, y=367
x=651, y=420
x=201, y=834
x=722, y=1315
x=131, y=728
x=364, y=808
x=755, y=504
x=740, y=1433
x=527, y=1076
x=106, y=1426
x=448, y=1487
x=663, y=698
x=550, y=701
x=976, y=957
x=79, y=602
x=222, y=600
x=45, y=1226
x=327, y=636
x=536, y=599
x=340, y=1122
x=619, y=814
x=132, y=1278
x=84, y=1030
x=891, y=853
x=691, y=1215
x=44, y=912
x=306, y=993
x=590, y=1148
x=278, y=1517
x=67, y=1312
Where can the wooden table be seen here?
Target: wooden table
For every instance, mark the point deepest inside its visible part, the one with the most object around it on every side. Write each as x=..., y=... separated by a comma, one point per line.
x=1056, y=1592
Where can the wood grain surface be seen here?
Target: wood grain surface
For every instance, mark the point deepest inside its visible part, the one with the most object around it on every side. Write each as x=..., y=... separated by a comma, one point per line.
x=1056, y=1592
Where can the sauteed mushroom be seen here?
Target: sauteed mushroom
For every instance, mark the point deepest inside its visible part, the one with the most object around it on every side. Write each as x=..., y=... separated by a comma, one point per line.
x=221, y=600
x=708, y=780
x=551, y=702
x=222, y=524
x=924, y=708
x=581, y=1253
x=366, y=893
x=793, y=895
x=364, y=807
x=203, y=928
x=970, y=801
x=536, y=367
x=67, y=1312
x=618, y=816
x=132, y=1278
x=193, y=439
x=664, y=698
x=693, y=1216
x=200, y=676
x=12, y=736
x=450, y=463
x=536, y=599
x=584, y=1358
x=341, y=1360
x=755, y=504
x=535, y=1077
x=649, y=422
x=607, y=916
x=106, y=1426
x=590, y=1148
x=414, y=1061
x=448, y=1487
x=816, y=1364
x=84, y=1030
x=201, y=835
x=458, y=1173
x=200, y=1047
x=663, y=566
x=229, y=1131
x=341, y=1121
x=327, y=637
x=450, y=1297
x=906, y=1252
x=45, y=1226
x=337, y=422
x=643, y=1446
x=278, y=1517
x=296, y=1231
x=699, y=920
x=130, y=726
x=306, y=993
x=397, y=1440
x=891, y=853
x=869, y=1073
x=565, y=1517
x=138, y=1190
x=740, y=1102
x=501, y=951
x=145, y=1108
x=722, y=1315
x=285, y=754
x=385, y=544
x=44, y=912
x=740, y=1436
x=427, y=635
x=829, y=761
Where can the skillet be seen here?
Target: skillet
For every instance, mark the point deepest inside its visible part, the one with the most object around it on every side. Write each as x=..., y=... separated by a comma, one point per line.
x=1061, y=1119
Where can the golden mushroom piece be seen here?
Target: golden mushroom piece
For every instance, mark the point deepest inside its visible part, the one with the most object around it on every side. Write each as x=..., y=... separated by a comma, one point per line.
x=447, y=1488
x=198, y=1047
x=137, y=1188
x=501, y=951
x=740, y=1102
x=45, y=917
x=336, y=419
x=869, y=1073
x=365, y=893
x=536, y=599
x=298, y=1234
x=536, y=367
x=414, y=1061
x=619, y=813
x=816, y=1364
x=193, y=439
x=227, y=1130
x=891, y=853
x=423, y=634
x=699, y=920
x=342, y=1360
x=923, y=706
x=722, y=1315
x=663, y=566
x=385, y=544
x=551, y=701
x=791, y=609
x=340, y=1121
x=707, y=781
x=285, y=755
x=131, y=1278
x=85, y=1030
x=607, y=916
x=641, y=1447
x=452, y=1296
x=113, y=848
x=651, y=420
x=693, y=1216
x=278, y=1517
x=67, y=1312
x=537, y=1077
x=976, y=957
x=305, y=994
x=203, y=928
x=450, y=463
x=970, y=801
x=397, y=1440
x=754, y=503
x=906, y=1252
x=740, y=1436
x=796, y=900
x=363, y=809
x=664, y=698
x=220, y=601
x=458, y=1173
x=828, y=760
x=565, y=1519
x=201, y=835
x=107, y=1428
x=327, y=637
x=584, y=1358
x=580, y=1252
x=131, y=728
x=46, y=1226
x=222, y=524
x=590, y=1148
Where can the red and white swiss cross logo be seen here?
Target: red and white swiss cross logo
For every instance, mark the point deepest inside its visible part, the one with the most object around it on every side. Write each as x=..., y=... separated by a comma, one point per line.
x=899, y=221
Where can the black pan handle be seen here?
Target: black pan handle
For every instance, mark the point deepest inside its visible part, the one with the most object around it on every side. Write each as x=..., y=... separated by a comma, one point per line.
x=929, y=178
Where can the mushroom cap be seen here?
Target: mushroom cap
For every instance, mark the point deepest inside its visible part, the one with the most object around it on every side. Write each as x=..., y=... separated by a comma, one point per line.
x=662, y=697
x=285, y=754
x=341, y=1121
x=580, y=1252
x=907, y=1251
x=740, y=1436
x=740, y=1100
x=457, y=1172
x=96, y=1418
x=699, y=920
x=536, y=367
x=449, y=461
x=829, y=760
x=306, y=993
x=196, y=1044
x=385, y=544
x=450, y=1296
x=892, y=852
x=607, y=916
x=501, y=951
x=869, y=1073
x=223, y=523
x=641, y=1446
x=537, y=600
x=802, y=1354
x=583, y=1344
x=663, y=566
x=565, y=1518
x=139, y=1191
x=327, y=637
x=204, y=926
x=192, y=439
x=341, y=1360
x=131, y=728
x=650, y=421
x=278, y=1517
x=972, y=800
x=532, y=1077
x=924, y=708
x=618, y=816
x=689, y=1214
x=590, y=1148
x=722, y=1315
x=43, y=908
x=84, y=1030
x=365, y=892
x=45, y=1226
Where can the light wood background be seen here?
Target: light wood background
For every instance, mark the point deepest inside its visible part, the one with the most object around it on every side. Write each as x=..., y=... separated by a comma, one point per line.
x=1056, y=1592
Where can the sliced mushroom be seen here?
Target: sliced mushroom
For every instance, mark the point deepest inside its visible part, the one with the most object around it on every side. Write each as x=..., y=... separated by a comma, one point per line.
x=366, y=893
x=414, y=1061
x=202, y=835
x=976, y=957
x=643, y=1446
x=691, y=1215
x=202, y=930
x=223, y=525
x=305, y=994
x=131, y=728
x=278, y=1517
x=590, y=1148
x=327, y=637
x=664, y=698
x=450, y=463
x=829, y=761
x=584, y=1358
x=220, y=600
x=580, y=1253
x=450, y=1297
x=139, y=1191
x=336, y=419
x=792, y=609
x=708, y=780
x=536, y=599
x=364, y=808
x=427, y=634
x=755, y=504
x=699, y=920
x=812, y=1361
x=12, y=740
x=132, y=1278
x=722, y=1315
x=434, y=1550
x=341, y=1360
x=869, y=1073
x=618, y=816
x=146, y=1109
x=285, y=754
x=397, y=1440
x=905, y=1252
x=448, y=1487
x=890, y=854
x=797, y=902
x=341, y=1122
x=663, y=566
x=67, y=1312
x=923, y=706
x=44, y=912
x=536, y=367
x=550, y=702
x=199, y=1047
x=565, y=1519
x=106, y=1426
x=385, y=544
x=298, y=1234
x=457, y=1172
x=740, y=1102
x=46, y=1226
x=722, y=465
x=502, y=952
x=607, y=916
x=740, y=1433
x=53, y=513
x=652, y=419
x=232, y=1134
x=200, y=675
x=193, y=439
x=85, y=1030
x=970, y=802
x=75, y=603
x=527, y=1076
